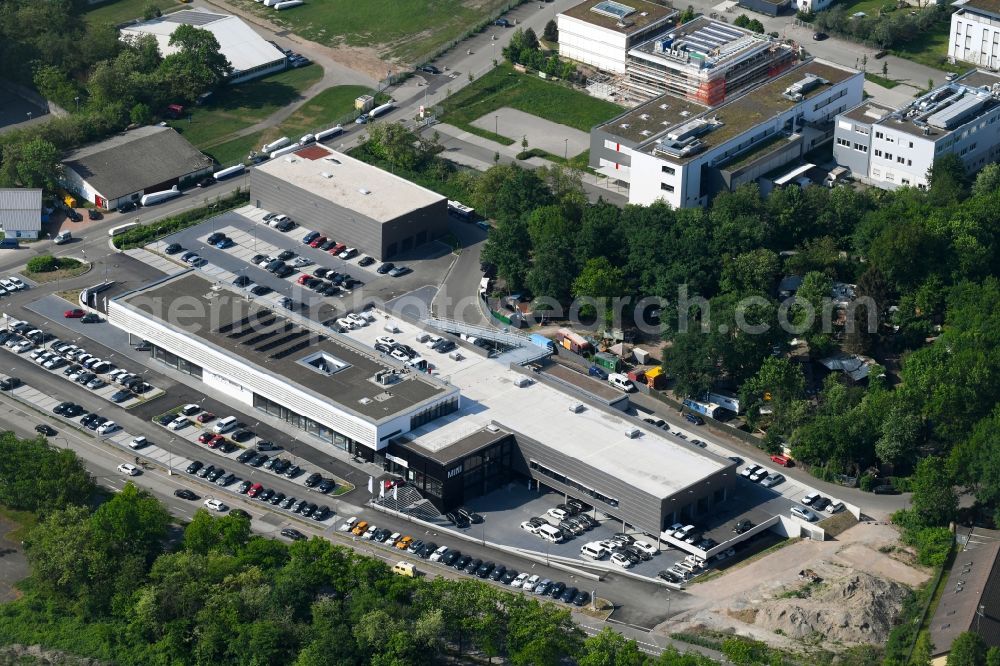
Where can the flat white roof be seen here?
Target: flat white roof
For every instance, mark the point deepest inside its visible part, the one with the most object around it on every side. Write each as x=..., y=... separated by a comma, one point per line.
x=243, y=47
x=650, y=462
x=350, y=183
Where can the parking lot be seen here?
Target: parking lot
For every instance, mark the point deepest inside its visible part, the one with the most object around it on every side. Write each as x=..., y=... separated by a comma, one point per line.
x=251, y=236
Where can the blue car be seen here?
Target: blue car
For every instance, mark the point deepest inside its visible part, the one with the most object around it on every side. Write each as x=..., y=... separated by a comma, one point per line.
x=225, y=243
x=694, y=418
x=310, y=237
x=597, y=371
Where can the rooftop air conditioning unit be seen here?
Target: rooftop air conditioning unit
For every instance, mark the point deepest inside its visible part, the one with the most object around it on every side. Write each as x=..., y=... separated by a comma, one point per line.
x=522, y=382
x=576, y=407
x=632, y=432
x=492, y=428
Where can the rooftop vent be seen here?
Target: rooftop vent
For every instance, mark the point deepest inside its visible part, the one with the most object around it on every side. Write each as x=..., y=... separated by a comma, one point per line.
x=383, y=396
x=492, y=428
x=664, y=107
x=632, y=432
x=326, y=174
x=521, y=382
x=386, y=377
x=291, y=159
x=364, y=190
x=576, y=407
x=644, y=116
x=365, y=401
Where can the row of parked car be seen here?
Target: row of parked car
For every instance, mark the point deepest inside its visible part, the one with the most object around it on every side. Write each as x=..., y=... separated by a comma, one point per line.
x=10, y=285
x=623, y=549
x=257, y=491
x=102, y=425
x=453, y=557
x=765, y=477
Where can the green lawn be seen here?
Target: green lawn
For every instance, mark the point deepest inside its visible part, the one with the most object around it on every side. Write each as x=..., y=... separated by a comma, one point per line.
x=122, y=11
x=234, y=107
x=545, y=99
x=881, y=80
x=930, y=48
x=408, y=30
x=235, y=151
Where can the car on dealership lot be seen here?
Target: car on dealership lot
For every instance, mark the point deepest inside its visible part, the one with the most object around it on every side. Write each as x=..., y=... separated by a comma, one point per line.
x=835, y=506
x=820, y=503
x=173, y=248
x=645, y=547
x=804, y=514
x=759, y=475
x=108, y=427
x=742, y=526
x=179, y=423
x=771, y=480
x=137, y=443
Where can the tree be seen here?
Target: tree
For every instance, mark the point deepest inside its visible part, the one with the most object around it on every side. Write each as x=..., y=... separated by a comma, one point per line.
x=150, y=11
x=553, y=236
x=742, y=21
x=551, y=32
x=987, y=181
x=609, y=648
x=947, y=179
x=132, y=522
x=923, y=650
x=140, y=114
x=899, y=438
x=686, y=15
x=935, y=502
x=31, y=163
x=753, y=272
x=508, y=247
x=37, y=477
x=196, y=66
x=755, y=26
x=599, y=280
x=968, y=649
x=62, y=552
x=530, y=40
x=779, y=382
x=976, y=462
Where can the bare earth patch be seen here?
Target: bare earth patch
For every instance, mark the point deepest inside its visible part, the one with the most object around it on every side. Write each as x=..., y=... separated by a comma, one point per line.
x=865, y=579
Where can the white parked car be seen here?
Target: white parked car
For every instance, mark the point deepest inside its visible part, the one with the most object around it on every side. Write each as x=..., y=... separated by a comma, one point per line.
x=835, y=506
x=16, y=281
x=128, y=469
x=398, y=354
x=558, y=514
x=621, y=560
x=810, y=498
x=531, y=583
x=393, y=538
x=370, y=532
x=300, y=262
x=108, y=427
x=646, y=547
x=178, y=423
x=438, y=554
x=357, y=319
x=138, y=443
x=343, y=322
x=760, y=474
x=519, y=581
x=23, y=346
x=386, y=340
x=684, y=532
x=348, y=524
x=215, y=505
x=529, y=527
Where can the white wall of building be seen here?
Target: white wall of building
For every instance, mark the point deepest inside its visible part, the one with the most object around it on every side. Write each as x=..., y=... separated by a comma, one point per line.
x=657, y=177
x=975, y=38
x=812, y=5
x=592, y=45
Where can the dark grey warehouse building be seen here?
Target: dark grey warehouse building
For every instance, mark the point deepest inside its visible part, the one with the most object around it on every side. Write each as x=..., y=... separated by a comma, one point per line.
x=350, y=201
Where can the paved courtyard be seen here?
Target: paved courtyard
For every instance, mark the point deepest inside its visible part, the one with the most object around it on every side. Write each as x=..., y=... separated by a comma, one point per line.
x=545, y=134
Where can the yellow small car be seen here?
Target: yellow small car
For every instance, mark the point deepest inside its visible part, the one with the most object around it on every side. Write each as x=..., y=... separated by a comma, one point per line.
x=405, y=542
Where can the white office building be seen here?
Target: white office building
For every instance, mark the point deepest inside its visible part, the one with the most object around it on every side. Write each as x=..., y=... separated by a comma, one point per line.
x=975, y=33
x=599, y=33
x=892, y=148
x=683, y=153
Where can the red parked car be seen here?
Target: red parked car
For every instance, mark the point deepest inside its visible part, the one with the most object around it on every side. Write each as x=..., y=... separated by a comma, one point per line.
x=75, y=313
x=318, y=241
x=254, y=490
x=216, y=441
x=205, y=417
x=337, y=249
x=784, y=461
x=302, y=278
x=205, y=437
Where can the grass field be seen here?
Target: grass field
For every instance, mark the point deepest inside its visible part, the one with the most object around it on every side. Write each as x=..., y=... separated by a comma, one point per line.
x=332, y=106
x=410, y=30
x=881, y=80
x=122, y=11
x=545, y=99
x=234, y=107
x=931, y=48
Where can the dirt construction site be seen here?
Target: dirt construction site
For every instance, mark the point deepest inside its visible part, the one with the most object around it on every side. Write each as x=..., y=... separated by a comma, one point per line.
x=841, y=592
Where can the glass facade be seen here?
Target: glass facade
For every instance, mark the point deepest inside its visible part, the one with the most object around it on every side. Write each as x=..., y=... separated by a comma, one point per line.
x=567, y=481
x=303, y=423
x=428, y=415
x=176, y=362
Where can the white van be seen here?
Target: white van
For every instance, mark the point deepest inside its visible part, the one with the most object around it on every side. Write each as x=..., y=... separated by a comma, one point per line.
x=593, y=551
x=223, y=426
x=620, y=381
x=550, y=534
x=62, y=237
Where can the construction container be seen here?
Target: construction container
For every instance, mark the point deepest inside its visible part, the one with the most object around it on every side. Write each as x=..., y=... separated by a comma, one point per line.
x=656, y=378
x=608, y=361
x=572, y=341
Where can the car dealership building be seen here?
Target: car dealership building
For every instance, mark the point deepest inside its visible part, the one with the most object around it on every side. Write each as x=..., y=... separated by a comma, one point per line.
x=490, y=423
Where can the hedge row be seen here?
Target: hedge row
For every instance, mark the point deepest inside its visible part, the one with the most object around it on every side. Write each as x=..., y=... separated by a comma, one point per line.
x=144, y=234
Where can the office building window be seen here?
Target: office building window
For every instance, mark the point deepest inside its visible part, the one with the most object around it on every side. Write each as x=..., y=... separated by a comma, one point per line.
x=666, y=188
x=900, y=159
x=843, y=142
x=667, y=170
x=879, y=135
x=176, y=362
x=861, y=147
x=567, y=481
x=304, y=423
x=878, y=153
x=431, y=413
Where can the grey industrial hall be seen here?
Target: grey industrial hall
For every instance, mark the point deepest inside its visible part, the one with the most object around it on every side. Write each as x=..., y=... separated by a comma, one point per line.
x=350, y=201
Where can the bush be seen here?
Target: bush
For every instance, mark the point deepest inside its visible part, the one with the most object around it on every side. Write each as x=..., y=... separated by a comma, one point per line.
x=44, y=263
x=867, y=482
x=933, y=545
x=531, y=152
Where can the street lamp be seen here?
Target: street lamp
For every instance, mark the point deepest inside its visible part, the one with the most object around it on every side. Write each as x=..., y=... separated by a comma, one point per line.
x=496, y=125
x=29, y=116
x=77, y=100
x=566, y=149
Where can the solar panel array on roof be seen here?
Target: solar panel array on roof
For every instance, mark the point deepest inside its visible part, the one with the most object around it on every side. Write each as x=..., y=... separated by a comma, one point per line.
x=189, y=17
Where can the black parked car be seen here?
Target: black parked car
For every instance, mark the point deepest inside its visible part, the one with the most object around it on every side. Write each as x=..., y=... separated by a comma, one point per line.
x=293, y=534
x=471, y=516
x=509, y=576
x=10, y=384
x=321, y=514
x=448, y=559
x=462, y=562
x=264, y=445
x=259, y=459
x=277, y=499
x=498, y=572
x=568, y=595
x=473, y=566
x=246, y=456
x=241, y=435
x=557, y=590
x=385, y=268
x=325, y=486
x=260, y=290
x=128, y=207
x=194, y=467
x=244, y=487
x=313, y=480
x=173, y=248
x=242, y=281
x=485, y=569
